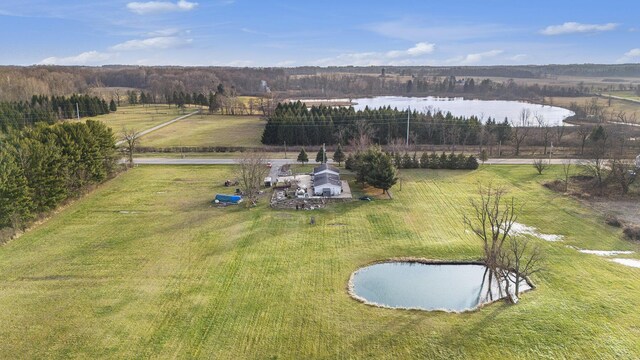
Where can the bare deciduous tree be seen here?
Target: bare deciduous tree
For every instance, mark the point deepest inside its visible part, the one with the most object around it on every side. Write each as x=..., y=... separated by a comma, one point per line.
x=519, y=260
x=491, y=221
x=541, y=165
x=520, y=129
x=622, y=174
x=566, y=173
x=130, y=138
x=509, y=259
x=252, y=170
x=362, y=137
x=583, y=134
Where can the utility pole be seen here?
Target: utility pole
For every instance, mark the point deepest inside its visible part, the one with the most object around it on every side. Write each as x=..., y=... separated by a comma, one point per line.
x=408, y=118
x=324, y=154
x=285, y=149
x=78, y=111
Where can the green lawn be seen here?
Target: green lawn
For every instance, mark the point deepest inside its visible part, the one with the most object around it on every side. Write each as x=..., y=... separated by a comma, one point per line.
x=139, y=117
x=209, y=130
x=145, y=268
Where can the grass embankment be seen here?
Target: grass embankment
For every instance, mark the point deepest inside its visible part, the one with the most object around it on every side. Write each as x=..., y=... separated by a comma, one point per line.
x=144, y=267
x=209, y=131
x=139, y=117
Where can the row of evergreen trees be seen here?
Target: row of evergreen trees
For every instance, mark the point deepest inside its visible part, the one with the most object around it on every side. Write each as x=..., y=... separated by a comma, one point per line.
x=44, y=165
x=20, y=114
x=296, y=124
x=435, y=161
x=425, y=161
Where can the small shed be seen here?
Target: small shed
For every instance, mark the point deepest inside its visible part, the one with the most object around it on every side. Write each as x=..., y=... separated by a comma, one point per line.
x=268, y=181
x=327, y=184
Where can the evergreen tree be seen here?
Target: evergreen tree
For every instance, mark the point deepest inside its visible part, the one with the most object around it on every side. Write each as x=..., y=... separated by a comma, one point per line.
x=338, y=155
x=15, y=201
x=424, y=161
x=112, y=106
x=406, y=161
x=380, y=172
x=303, y=157
x=321, y=156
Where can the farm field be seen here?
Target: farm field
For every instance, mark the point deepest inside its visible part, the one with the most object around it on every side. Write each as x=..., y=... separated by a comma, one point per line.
x=138, y=117
x=145, y=267
x=629, y=109
x=624, y=94
x=208, y=130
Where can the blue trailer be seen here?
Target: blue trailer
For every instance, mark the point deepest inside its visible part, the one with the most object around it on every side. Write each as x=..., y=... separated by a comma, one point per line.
x=227, y=199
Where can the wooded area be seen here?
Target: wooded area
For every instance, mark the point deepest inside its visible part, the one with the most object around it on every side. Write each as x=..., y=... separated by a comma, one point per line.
x=42, y=166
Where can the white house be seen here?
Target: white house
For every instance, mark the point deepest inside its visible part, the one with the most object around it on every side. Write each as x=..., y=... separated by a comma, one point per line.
x=327, y=184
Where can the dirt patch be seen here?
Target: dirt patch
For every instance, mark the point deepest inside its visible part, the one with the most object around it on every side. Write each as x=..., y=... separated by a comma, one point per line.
x=626, y=211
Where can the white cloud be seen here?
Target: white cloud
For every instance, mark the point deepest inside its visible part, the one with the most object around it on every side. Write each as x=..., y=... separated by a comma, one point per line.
x=519, y=57
x=574, y=27
x=85, y=58
x=160, y=42
x=393, y=57
x=631, y=55
x=150, y=7
x=473, y=59
x=413, y=29
x=165, y=32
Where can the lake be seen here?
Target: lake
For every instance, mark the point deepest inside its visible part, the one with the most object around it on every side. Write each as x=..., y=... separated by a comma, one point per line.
x=483, y=109
x=412, y=285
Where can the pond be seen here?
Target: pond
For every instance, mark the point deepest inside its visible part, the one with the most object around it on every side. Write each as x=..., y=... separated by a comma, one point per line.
x=426, y=286
x=483, y=109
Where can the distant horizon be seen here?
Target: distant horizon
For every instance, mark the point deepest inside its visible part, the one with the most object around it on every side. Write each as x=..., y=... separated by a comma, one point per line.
x=287, y=34
x=318, y=66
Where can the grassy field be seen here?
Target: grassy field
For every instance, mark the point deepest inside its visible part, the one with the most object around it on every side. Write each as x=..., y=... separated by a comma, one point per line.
x=209, y=130
x=629, y=108
x=138, y=117
x=144, y=267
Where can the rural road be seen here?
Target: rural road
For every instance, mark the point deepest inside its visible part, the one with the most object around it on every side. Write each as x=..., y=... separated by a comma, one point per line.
x=145, y=132
x=279, y=162
x=619, y=98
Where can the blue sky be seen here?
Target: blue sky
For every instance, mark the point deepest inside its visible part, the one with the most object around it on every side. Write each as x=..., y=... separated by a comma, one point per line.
x=296, y=33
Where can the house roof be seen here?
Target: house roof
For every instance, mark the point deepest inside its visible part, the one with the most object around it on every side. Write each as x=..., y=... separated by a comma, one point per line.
x=324, y=167
x=325, y=179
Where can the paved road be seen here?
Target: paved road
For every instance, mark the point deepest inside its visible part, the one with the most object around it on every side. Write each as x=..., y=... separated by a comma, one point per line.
x=277, y=163
x=145, y=132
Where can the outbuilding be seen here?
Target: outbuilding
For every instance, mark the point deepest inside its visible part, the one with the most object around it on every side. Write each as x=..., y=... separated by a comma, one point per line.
x=327, y=184
x=325, y=169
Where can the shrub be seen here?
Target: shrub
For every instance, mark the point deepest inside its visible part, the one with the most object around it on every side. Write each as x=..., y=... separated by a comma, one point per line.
x=632, y=232
x=611, y=220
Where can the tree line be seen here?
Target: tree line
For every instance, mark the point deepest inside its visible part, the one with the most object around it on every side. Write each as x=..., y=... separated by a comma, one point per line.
x=18, y=83
x=296, y=124
x=41, y=108
x=42, y=166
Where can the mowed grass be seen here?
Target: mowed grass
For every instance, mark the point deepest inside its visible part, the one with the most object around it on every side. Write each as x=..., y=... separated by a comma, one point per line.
x=144, y=267
x=209, y=130
x=139, y=117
